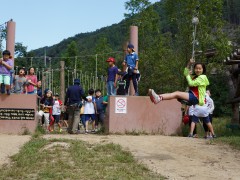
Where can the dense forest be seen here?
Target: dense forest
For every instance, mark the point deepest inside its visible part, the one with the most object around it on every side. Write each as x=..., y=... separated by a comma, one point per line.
x=165, y=45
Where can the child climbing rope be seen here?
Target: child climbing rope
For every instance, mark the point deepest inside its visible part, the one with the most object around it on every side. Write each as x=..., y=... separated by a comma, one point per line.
x=196, y=94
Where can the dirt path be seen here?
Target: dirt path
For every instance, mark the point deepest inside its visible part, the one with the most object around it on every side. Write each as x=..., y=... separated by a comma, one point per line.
x=175, y=157
x=10, y=145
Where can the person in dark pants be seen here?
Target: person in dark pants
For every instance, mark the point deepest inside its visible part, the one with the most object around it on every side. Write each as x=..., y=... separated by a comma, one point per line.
x=73, y=101
x=100, y=106
x=131, y=64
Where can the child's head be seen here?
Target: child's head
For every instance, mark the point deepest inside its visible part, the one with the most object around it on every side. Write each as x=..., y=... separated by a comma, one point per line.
x=39, y=83
x=208, y=92
x=56, y=96
x=49, y=94
x=98, y=93
x=199, y=68
x=91, y=91
x=31, y=70
x=6, y=54
x=130, y=48
x=120, y=74
x=21, y=72
x=111, y=61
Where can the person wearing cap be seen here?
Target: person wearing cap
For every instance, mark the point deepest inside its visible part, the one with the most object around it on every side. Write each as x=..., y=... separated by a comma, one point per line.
x=6, y=64
x=73, y=101
x=112, y=77
x=131, y=64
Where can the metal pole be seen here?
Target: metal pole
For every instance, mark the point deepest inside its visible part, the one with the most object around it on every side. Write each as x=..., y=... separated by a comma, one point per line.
x=31, y=61
x=45, y=57
x=96, y=67
x=52, y=78
x=68, y=78
x=75, y=66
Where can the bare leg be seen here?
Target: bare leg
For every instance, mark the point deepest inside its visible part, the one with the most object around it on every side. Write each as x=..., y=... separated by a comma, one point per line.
x=87, y=125
x=192, y=128
x=210, y=127
x=175, y=95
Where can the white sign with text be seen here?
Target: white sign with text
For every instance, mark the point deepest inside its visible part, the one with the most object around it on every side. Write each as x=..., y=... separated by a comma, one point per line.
x=121, y=105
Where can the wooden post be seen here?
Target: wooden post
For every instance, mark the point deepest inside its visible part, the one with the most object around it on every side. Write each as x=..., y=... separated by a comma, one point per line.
x=62, y=80
x=134, y=41
x=10, y=42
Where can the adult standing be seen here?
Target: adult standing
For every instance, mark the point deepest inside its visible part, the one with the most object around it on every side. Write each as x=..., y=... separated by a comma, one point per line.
x=32, y=81
x=131, y=64
x=73, y=101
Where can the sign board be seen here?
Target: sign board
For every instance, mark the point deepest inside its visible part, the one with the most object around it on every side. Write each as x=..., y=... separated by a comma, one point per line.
x=17, y=114
x=121, y=105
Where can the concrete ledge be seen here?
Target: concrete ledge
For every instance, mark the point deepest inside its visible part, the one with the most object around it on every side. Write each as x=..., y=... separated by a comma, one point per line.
x=143, y=116
x=18, y=101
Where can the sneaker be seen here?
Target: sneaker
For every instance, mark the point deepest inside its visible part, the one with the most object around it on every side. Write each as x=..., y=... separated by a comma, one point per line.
x=190, y=136
x=153, y=96
x=136, y=94
x=195, y=136
x=8, y=92
x=214, y=136
x=86, y=132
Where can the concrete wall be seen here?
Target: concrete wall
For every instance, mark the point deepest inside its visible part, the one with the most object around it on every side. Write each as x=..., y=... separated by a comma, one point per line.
x=144, y=116
x=19, y=102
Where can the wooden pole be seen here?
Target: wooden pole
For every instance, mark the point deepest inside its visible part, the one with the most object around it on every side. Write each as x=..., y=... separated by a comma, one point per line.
x=62, y=80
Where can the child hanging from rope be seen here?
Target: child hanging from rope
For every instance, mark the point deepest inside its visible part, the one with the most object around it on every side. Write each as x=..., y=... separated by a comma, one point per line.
x=196, y=94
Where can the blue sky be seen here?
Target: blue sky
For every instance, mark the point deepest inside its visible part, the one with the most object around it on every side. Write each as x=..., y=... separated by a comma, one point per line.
x=42, y=23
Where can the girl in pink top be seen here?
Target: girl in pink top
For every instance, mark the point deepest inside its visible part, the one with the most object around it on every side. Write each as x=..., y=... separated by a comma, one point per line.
x=32, y=81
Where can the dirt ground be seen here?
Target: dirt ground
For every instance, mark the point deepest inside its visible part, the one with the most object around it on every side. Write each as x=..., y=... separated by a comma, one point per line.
x=10, y=145
x=173, y=157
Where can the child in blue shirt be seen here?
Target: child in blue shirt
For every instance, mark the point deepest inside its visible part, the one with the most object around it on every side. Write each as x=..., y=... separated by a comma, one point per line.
x=131, y=64
x=112, y=77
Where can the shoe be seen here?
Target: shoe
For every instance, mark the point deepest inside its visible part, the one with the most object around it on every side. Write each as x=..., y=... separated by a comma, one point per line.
x=136, y=94
x=195, y=136
x=8, y=92
x=153, y=96
x=190, y=136
x=214, y=136
x=93, y=131
x=86, y=132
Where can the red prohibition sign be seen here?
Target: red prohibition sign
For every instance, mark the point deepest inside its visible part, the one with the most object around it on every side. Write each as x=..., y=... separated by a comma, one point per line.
x=121, y=103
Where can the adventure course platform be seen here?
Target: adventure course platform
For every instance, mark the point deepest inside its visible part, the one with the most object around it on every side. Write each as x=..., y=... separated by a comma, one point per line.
x=18, y=113
x=137, y=114
x=125, y=114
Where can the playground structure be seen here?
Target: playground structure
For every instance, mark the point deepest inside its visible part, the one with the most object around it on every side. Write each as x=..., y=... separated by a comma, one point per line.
x=137, y=114
x=20, y=118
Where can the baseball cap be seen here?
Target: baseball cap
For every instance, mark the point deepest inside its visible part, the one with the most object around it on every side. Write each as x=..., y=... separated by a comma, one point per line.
x=130, y=46
x=76, y=81
x=110, y=59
